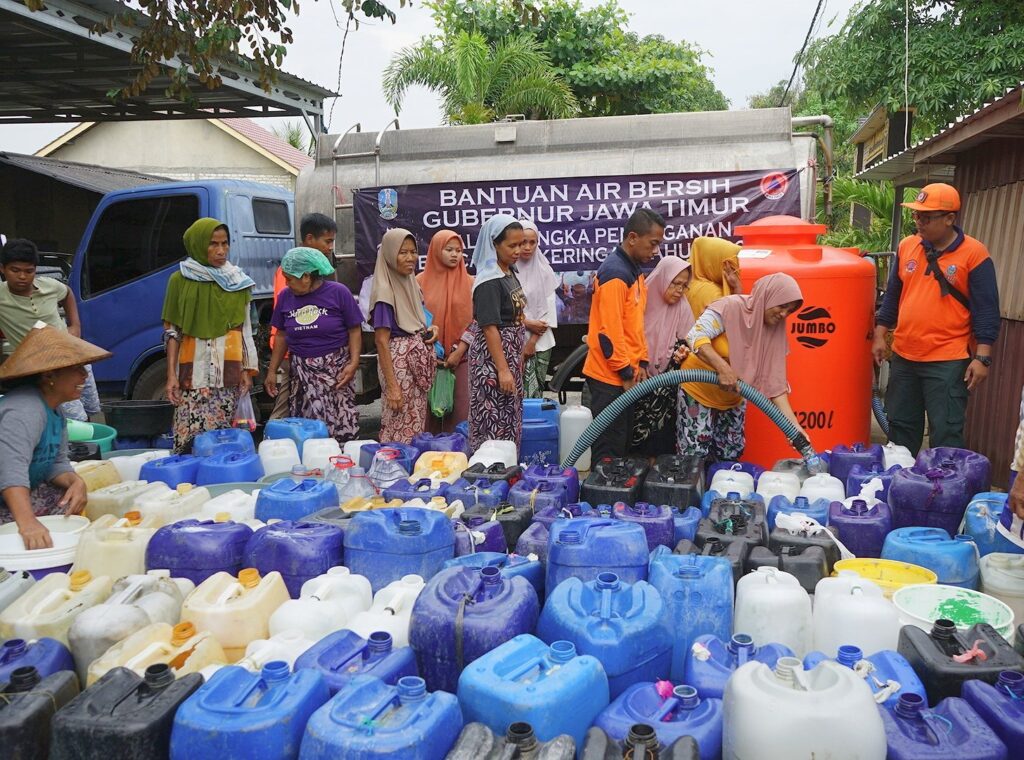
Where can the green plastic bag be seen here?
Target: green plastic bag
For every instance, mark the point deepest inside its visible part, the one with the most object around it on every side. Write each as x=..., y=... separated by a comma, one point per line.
x=442, y=392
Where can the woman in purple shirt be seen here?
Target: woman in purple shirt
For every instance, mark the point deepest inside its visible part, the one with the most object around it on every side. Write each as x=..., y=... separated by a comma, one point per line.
x=319, y=323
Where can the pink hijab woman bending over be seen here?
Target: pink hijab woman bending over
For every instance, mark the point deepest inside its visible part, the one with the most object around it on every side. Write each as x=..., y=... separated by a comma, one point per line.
x=755, y=326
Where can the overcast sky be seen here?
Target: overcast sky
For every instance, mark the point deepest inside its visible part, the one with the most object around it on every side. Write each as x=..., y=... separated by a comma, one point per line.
x=750, y=43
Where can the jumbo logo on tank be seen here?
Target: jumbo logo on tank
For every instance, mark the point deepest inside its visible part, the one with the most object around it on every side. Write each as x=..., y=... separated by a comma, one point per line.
x=813, y=326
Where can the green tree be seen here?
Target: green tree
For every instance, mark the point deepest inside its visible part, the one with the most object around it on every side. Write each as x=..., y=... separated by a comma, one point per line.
x=294, y=133
x=482, y=82
x=611, y=70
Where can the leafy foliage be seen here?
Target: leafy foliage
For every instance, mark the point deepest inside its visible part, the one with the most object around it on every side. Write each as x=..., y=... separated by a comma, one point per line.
x=294, y=133
x=206, y=33
x=480, y=81
x=879, y=199
x=610, y=70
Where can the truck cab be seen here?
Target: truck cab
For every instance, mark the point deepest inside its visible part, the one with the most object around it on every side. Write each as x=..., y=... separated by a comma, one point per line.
x=133, y=244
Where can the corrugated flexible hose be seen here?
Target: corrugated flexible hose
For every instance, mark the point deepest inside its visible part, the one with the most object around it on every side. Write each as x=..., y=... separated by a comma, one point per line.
x=675, y=377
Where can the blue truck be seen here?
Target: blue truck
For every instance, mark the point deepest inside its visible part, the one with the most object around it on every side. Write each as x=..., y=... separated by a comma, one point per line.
x=133, y=244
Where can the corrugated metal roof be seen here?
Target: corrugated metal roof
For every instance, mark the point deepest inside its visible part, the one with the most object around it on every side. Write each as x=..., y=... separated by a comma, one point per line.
x=269, y=142
x=99, y=179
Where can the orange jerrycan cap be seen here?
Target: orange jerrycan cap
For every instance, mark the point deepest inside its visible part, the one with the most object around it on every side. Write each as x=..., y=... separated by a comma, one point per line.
x=182, y=632
x=249, y=577
x=79, y=579
x=133, y=518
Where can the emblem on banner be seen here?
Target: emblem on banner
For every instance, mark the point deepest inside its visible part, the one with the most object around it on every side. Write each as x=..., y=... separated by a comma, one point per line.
x=774, y=185
x=387, y=203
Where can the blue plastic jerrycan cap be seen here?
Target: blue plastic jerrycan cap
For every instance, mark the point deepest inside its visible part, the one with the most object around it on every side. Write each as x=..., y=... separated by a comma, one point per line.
x=562, y=651
x=380, y=642
x=607, y=581
x=910, y=705
x=849, y=655
x=275, y=671
x=411, y=689
x=687, y=696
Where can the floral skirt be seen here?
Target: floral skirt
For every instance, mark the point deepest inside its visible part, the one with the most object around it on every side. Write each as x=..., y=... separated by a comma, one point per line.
x=414, y=365
x=535, y=374
x=45, y=499
x=200, y=410
x=316, y=395
x=494, y=414
x=709, y=433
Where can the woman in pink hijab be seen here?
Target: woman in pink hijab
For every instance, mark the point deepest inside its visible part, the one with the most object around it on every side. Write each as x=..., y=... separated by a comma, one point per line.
x=755, y=327
x=667, y=320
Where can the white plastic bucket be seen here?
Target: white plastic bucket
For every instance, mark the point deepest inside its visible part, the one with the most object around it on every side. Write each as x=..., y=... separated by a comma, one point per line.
x=924, y=603
x=65, y=532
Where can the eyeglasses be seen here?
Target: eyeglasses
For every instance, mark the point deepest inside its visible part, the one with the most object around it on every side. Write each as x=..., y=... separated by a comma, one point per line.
x=923, y=216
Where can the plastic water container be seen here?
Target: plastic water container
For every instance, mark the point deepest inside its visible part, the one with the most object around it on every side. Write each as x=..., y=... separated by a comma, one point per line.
x=736, y=553
x=386, y=544
x=657, y=521
x=238, y=505
x=921, y=605
x=425, y=442
x=65, y=532
x=172, y=470
x=135, y=602
x=674, y=480
x=317, y=453
x=980, y=523
x=198, y=549
x=391, y=611
x=954, y=560
x=343, y=655
x=492, y=452
x=510, y=566
x=1002, y=576
x=525, y=680
x=534, y=543
x=298, y=429
x=566, y=477
x=539, y=441
x=408, y=722
x=440, y=465
x=753, y=470
x=238, y=714
x=697, y=593
x=732, y=481
x=844, y=458
x=775, y=484
x=477, y=492
x=773, y=608
x=353, y=449
x=541, y=409
x=278, y=455
x=808, y=564
x=973, y=466
x=849, y=610
x=640, y=741
x=536, y=495
x=13, y=583
x=300, y=551
x=513, y=519
x=408, y=454
x=97, y=474
x=893, y=454
x=548, y=515
x=285, y=647
x=823, y=486
x=236, y=610
x=1001, y=706
x=47, y=656
x=859, y=476
x=623, y=625
x=325, y=604
x=911, y=731
x=684, y=523
x=115, y=546
x=731, y=526
x=288, y=500
x=572, y=423
x=478, y=742
x=933, y=498
x=862, y=526
x=790, y=533
x=887, y=673
x=232, y=467
x=818, y=509
x=119, y=498
x=129, y=467
x=584, y=547
x=613, y=480
x=181, y=647
x=231, y=440
x=673, y=712
x=29, y=702
x=475, y=533
x=419, y=488
x=711, y=661
x=462, y=614
x=945, y=658
x=365, y=504
x=170, y=506
x=746, y=506
x=483, y=474
x=51, y=605
x=785, y=713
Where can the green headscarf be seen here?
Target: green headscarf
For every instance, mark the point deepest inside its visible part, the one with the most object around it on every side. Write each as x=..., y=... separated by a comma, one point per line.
x=303, y=260
x=203, y=310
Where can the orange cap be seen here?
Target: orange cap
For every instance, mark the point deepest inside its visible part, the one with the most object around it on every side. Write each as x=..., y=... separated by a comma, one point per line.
x=937, y=196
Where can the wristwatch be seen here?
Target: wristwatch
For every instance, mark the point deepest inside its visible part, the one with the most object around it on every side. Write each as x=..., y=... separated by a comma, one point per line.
x=985, y=360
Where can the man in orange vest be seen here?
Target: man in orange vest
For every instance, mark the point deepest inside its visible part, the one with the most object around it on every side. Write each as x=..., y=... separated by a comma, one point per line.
x=316, y=231
x=943, y=302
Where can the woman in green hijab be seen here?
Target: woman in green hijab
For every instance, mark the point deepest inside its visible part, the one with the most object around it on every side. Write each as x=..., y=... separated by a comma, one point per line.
x=211, y=355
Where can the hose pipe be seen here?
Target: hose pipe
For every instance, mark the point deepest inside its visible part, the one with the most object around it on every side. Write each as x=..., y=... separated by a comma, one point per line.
x=796, y=439
x=878, y=407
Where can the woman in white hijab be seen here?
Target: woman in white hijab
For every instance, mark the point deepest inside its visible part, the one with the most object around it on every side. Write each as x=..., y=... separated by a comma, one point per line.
x=539, y=283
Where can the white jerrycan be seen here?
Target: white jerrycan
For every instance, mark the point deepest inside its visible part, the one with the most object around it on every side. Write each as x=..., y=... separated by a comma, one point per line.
x=181, y=646
x=325, y=604
x=120, y=498
x=773, y=608
x=391, y=610
x=851, y=610
x=51, y=605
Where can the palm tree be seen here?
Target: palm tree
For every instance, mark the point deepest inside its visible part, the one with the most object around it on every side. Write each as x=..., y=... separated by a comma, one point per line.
x=294, y=133
x=481, y=83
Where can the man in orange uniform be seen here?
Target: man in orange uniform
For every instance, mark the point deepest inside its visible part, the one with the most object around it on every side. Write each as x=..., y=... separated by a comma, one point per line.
x=617, y=359
x=943, y=301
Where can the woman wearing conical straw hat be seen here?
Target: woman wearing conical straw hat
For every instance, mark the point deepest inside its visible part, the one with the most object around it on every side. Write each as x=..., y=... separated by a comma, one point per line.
x=36, y=477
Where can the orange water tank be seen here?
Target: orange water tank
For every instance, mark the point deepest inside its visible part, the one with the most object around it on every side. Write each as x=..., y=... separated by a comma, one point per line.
x=829, y=365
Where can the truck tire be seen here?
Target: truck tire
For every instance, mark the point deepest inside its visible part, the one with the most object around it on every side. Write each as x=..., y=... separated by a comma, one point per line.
x=152, y=383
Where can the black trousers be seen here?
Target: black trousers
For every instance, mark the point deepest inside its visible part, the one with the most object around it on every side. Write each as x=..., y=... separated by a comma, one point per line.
x=933, y=388
x=614, y=441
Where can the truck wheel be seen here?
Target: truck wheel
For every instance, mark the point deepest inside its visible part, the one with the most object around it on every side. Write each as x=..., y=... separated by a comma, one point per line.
x=152, y=383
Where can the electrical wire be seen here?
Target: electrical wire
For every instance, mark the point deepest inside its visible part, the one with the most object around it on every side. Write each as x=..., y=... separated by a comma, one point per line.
x=800, y=55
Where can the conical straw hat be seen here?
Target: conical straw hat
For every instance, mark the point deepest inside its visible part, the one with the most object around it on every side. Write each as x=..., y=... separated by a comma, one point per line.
x=45, y=349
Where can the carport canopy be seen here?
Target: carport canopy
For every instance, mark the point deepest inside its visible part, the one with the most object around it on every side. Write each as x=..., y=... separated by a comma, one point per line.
x=55, y=69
